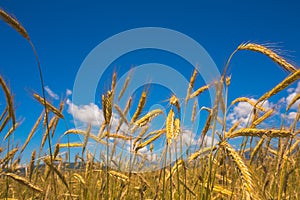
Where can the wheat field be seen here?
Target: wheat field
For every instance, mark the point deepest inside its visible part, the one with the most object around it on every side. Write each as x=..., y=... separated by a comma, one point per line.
x=264, y=165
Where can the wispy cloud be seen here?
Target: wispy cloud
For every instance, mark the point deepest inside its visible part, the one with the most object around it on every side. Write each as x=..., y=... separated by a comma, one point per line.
x=68, y=92
x=51, y=93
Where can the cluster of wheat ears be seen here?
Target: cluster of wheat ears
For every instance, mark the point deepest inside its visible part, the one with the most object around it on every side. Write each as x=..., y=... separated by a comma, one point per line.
x=270, y=171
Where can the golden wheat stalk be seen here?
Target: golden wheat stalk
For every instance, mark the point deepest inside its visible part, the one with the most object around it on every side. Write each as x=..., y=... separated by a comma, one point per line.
x=262, y=118
x=155, y=137
x=119, y=175
x=252, y=103
x=9, y=156
x=294, y=100
x=61, y=107
x=177, y=128
x=24, y=182
x=5, y=121
x=256, y=148
x=228, y=80
x=140, y=107
x=121, y=114
x=139, y=137
x=32, y=131
x=199, y=91
x=268, y=52
x=170, y=126
x=261, y=132
x=11, y=130
x=179, y=163
x=278, y=154
x=79, y=178
x=191, y=85
x=206, y=126
x=119, y=136
x=3, y=113
x=200, y=152
x=9, y=99
x=233, y=128
x=107, y=106
x=148, y=117
x=31, y=164
x=124, y=86
x=49, y=105
x=282, y=85
x=292, y=148
x=126, y=110
x=114, y=82
x=80, y=132
x=246, y=174
x=86, y=138
x=47, y=132
x=70, y=145
x=175, y=101
x=195, y=105
x=56, y=150
x=57, y=172
x=14, y=23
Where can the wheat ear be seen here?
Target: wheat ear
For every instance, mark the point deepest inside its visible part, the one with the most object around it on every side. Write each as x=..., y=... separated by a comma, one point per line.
x=268, y=52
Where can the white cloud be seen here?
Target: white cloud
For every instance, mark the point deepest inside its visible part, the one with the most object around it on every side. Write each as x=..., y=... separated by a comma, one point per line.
x=292, y=93
x=291, y=115
x=51, y=93
x=243, y=110
x=92, y=114
x=290, y=90
x=88, y=114
x=68, y=92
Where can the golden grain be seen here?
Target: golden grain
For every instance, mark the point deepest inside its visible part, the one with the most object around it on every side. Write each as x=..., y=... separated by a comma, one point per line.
x=170, y=126
x=148, y=117
x=251, y=102
x=199, y=91
x=155, y=137
x=32, y=131
x=14, y=23
x=294, y=100
x=48, y=105
x=24, y=182
x=261, y=132
x=140, y=107
x=191, y=85
x=8, y=98
x=268, y=52
x=124, y=86
x=282, y=85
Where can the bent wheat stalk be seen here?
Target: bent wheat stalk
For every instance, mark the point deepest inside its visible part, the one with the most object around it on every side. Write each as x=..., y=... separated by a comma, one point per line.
x=199, y=91
x=261, y=132
x=9, y=100
x=252, y=103
x=286, y=82
x=271, y=54
x=24, y=182
x=49, y=105
x=140, y=107
x=246, y=174
x=296, y=98
x=170, y=126
x=191, y=85
x=155, y=137
x=148, y=117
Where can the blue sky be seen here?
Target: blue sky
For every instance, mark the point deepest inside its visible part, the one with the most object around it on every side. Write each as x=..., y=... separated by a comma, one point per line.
x=64, y=33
